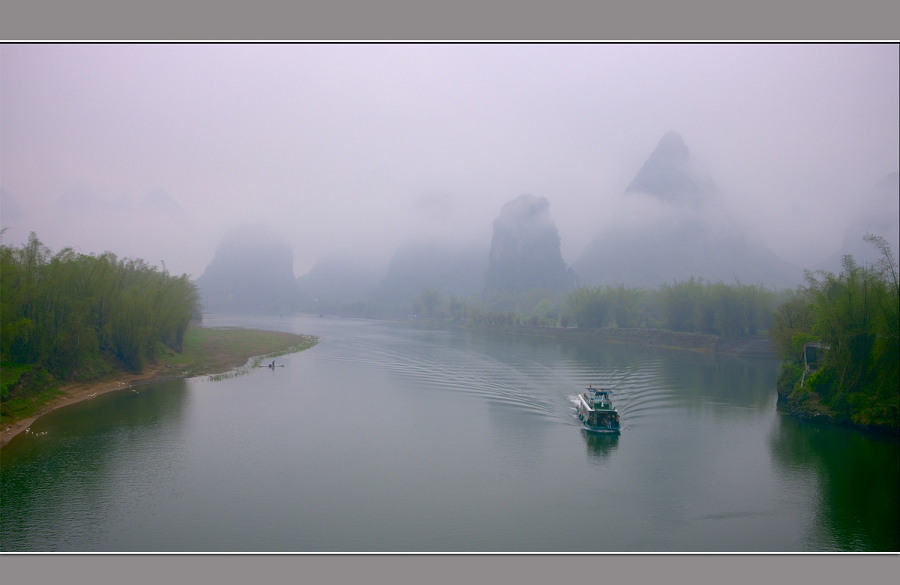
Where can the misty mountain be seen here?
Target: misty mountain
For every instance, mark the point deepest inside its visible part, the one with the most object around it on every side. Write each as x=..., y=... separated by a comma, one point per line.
x=455, y=271
x=671, y=175
x=683, y=232
x=525, y=250
x=878, y=213
x=339, y=280
x=80, y=198
x=160, y=202
x=251, y=271
x=668, y=252
x=9, y=208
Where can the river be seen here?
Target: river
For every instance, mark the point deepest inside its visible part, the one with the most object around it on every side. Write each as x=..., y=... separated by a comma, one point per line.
x=396, y=437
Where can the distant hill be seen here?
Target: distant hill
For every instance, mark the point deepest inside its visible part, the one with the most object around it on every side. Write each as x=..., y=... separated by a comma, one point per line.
x=251, y=271
x=671, y=175
x=525, y=250
x=688, y=235
x=453, y=270
x=665, y=253
x=878, y=213
x=9, y=208
x=335, y=281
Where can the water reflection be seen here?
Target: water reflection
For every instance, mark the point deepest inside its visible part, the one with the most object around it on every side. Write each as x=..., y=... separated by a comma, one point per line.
x=451, y=441
x=88, y=447
x=600, y=445
x=650, y=382
x=702, y=379
x=857, y=477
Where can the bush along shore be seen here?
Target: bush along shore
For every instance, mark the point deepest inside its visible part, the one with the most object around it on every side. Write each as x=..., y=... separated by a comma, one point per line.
x=837, y=336
x=72, y=325
x=838, y=339
x=694, y=315
x=216, y=352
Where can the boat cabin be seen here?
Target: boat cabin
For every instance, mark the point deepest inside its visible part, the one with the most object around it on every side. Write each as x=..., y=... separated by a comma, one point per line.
x=596, y=410
x=598, y=399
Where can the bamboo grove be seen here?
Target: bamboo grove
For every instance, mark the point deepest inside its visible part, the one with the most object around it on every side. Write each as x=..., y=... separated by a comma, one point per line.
x=75, y=315
x=852, y=320
x=692, y=305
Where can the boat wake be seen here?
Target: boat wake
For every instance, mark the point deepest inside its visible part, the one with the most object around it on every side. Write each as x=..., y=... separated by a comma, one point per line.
x=541, y=387
x=517, y=385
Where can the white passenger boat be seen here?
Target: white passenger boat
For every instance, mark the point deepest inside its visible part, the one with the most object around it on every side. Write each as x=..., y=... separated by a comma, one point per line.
x=596, y=411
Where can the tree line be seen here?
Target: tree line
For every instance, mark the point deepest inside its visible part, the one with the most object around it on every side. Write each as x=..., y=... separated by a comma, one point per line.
x=693, y=305
x=851, y=321
x=72, y=314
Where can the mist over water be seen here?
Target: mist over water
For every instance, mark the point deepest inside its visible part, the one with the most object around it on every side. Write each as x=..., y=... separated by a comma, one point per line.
x=390, y=437
x=423, y=181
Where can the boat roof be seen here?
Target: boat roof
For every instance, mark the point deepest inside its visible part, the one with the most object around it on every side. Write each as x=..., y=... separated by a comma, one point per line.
x=589, y=405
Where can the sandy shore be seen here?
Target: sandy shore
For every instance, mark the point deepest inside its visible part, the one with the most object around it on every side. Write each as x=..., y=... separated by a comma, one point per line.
x=77, y=392
x=216, y=351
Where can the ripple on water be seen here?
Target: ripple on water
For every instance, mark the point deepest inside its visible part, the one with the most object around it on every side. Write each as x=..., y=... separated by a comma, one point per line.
x=541, y=387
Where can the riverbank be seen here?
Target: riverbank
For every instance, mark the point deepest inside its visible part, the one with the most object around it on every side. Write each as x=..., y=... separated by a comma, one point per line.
x=808, y=407
x=803, y=403
x=750, y=346
x=206, y=351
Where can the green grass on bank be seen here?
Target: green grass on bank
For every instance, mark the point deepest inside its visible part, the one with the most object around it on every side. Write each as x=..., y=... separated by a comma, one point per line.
x=24, y=389
x=10, y=373
x=27, y=389
x=216, y=350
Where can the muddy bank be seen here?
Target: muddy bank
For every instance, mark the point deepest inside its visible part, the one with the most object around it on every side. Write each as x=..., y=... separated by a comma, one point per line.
x=73, y=393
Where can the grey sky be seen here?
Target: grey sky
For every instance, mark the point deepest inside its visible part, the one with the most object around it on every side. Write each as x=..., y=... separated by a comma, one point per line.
x=156, y=151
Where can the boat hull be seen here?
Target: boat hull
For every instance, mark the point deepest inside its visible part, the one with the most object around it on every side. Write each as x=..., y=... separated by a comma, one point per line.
x=596, y=412
x=596, y=429
x=600, y=430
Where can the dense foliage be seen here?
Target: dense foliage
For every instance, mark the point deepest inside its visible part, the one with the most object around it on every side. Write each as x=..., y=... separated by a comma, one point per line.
x=690, y=306
x=69, y=313
x=855, y=316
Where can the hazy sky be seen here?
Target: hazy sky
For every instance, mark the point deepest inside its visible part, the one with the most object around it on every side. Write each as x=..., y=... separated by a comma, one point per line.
x=156, y=151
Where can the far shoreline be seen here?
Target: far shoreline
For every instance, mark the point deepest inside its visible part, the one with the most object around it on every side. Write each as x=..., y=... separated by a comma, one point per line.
x=758, y=345
x=219, y=359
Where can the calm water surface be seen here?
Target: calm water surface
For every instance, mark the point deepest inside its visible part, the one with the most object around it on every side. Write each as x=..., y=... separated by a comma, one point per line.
x=387, y=437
